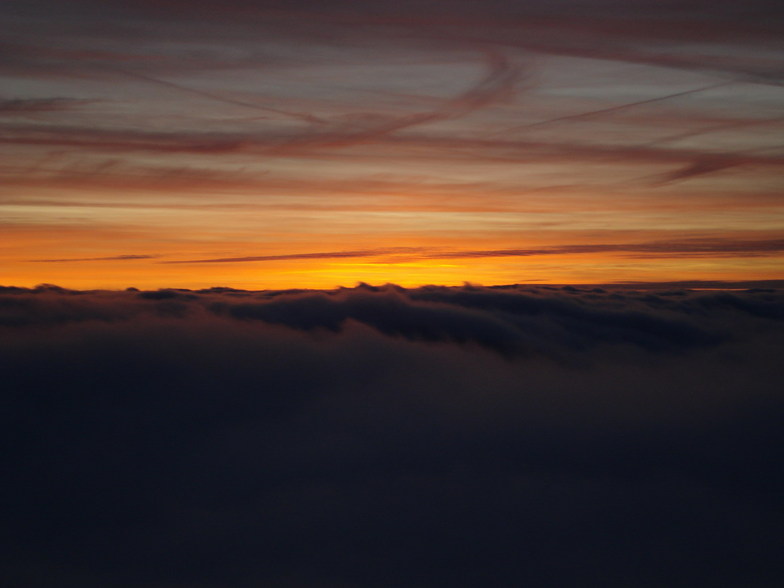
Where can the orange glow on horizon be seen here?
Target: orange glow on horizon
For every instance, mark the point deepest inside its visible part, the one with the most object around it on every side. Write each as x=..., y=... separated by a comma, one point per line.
x=325, y=274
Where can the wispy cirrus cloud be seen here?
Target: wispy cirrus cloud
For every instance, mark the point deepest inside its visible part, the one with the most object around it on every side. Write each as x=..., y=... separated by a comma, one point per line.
x=313, y=145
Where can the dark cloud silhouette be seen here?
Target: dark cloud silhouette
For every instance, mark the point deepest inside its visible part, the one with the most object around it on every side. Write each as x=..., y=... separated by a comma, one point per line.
x=382, y=436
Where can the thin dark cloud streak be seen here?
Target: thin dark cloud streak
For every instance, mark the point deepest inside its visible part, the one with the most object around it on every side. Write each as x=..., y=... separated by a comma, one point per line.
x=700, y=167
x=110, y=258
x=293, y=256
x=696, y=247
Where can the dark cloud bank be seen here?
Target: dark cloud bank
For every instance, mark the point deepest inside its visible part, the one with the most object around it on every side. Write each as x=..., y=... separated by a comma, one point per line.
x=382, y=437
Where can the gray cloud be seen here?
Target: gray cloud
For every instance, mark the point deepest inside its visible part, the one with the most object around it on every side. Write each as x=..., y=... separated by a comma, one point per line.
x=32, y=106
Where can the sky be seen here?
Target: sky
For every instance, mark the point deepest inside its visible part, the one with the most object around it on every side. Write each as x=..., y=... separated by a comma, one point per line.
x=415, y=294
x=263, y=144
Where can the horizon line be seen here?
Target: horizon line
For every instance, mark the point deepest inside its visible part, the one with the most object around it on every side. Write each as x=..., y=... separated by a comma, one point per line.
x=627, y=284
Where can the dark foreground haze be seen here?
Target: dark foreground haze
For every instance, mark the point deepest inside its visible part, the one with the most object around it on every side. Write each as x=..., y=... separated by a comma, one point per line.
x=384, y=437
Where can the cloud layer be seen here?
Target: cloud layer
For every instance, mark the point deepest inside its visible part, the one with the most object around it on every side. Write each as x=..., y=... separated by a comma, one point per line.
x=381, y=436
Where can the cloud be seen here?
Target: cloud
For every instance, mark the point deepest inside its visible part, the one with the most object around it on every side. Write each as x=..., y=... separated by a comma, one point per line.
x=123, y=140
x=31, y=106
x=111, y=258
x=621, y=107
x=382, y=436
x=318, y=255
x=378, y=436
x=694, y=247
x=305, y=117
x=700, y=167
x=692, y=162
x=688, y=36
x=498, y=84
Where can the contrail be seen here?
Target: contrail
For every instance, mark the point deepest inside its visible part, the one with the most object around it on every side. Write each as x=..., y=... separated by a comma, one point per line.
x=498, y=82
x=298, y=115
x=620, y=107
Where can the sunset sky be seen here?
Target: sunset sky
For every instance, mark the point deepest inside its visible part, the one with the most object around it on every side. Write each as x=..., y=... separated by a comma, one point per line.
x=263, y=144
x=392, y=294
